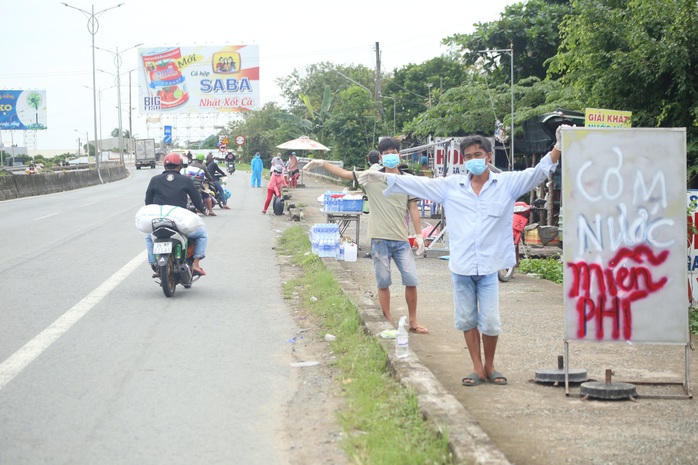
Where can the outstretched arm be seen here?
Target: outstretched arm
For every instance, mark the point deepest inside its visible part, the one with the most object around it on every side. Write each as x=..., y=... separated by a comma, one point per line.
x=330, y=168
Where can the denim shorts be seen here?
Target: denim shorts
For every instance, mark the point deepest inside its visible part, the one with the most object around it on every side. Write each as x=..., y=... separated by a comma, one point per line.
x=400, y=251
x=476, y=300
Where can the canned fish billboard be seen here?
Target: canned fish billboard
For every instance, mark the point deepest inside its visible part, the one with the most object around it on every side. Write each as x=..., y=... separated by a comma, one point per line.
x=205, y=79
x=22, y=109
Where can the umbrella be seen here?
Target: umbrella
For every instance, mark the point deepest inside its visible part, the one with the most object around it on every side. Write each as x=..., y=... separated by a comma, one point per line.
x=302, y=143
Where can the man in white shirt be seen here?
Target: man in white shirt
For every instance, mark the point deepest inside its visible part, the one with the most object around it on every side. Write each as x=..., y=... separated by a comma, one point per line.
x=479, y=212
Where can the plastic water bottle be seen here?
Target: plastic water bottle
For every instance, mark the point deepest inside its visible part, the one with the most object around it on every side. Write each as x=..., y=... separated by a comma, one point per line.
x=402, y=343
x=315, y=239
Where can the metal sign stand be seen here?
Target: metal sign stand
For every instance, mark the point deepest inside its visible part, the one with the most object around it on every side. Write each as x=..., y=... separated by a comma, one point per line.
x=685, y=384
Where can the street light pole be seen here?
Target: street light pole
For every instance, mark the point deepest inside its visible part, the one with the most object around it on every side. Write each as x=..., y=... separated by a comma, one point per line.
x=130, y=109
x=79, y=143
x=93, y=28
x=117, y=63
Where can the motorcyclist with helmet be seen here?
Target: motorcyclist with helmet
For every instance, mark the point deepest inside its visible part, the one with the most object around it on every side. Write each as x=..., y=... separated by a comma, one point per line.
x=197, y=171
x=172, y=188
x=213, y=168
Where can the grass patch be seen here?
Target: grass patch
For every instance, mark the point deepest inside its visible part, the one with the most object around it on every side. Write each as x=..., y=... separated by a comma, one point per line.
x=381, y=418
x=693, y=320
x=546, y=268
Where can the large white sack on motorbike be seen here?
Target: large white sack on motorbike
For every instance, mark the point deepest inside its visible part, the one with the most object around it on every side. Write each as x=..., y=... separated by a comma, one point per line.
x=185, y=220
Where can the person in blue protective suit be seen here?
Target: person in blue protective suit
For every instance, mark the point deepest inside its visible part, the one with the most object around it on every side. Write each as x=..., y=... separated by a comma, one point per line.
x=257, y=165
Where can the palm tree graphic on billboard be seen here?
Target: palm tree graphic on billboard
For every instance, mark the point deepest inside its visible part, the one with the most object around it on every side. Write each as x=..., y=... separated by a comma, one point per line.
x=34, y=100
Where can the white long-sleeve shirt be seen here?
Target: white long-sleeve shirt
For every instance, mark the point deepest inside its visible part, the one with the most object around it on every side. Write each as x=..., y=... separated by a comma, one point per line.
x=480, y=230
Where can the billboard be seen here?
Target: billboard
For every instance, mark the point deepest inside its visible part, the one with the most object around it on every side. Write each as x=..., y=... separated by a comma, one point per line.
x=22, y=109
x=200, y=79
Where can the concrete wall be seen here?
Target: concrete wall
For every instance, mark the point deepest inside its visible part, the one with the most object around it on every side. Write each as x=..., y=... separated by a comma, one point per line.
x=25, y=185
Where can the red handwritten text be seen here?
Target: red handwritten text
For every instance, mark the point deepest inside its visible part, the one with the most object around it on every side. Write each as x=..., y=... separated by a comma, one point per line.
x=609, y=292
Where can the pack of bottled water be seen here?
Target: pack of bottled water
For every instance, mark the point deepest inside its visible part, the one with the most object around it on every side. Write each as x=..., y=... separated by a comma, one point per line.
x=324, y=240
x=332, y=201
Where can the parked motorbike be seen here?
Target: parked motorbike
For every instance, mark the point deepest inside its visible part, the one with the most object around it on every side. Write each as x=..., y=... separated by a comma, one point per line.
x=216, y=195
x=211, y=190
x=522, y=211
x=522, y=216
x=174, y=256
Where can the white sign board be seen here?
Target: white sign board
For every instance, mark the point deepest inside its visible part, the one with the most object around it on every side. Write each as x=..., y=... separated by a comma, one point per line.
x=624, y=211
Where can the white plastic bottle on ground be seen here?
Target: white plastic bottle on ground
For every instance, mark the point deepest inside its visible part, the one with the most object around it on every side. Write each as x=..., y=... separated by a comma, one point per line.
x=402, y=347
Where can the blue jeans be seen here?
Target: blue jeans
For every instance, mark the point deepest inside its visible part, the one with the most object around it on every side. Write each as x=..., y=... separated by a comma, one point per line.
x=200, y=236
x=400, y=251
x=222, y=191
x=476, y=299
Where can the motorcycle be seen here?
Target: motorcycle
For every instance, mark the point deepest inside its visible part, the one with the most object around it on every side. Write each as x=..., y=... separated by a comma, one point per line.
x=216, y=195
x=522, y=215
x=231, y=167
x=522, y=211
x=174, y=256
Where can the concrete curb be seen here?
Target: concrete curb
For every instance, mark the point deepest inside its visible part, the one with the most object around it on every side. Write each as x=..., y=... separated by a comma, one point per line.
x=467, y=441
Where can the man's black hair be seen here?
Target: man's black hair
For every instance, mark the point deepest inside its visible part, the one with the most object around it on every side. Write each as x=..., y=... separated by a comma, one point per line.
x=374, y=157
x=480, y=141
x=388, y=143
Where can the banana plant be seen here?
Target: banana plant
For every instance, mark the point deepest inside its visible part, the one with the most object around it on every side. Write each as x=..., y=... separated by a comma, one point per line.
x=314, y=124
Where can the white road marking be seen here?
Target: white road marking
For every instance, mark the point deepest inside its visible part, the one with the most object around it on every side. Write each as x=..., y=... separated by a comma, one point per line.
x=32, y=349
x=47, y=216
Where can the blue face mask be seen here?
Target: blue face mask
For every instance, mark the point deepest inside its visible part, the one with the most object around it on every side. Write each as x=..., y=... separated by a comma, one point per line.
x=476, y=166
x=391, y=160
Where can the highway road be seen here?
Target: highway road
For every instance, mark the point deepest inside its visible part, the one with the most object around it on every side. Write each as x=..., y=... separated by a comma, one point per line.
x=98, y=366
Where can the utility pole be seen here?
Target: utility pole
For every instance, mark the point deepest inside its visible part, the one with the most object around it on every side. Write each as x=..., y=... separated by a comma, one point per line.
x=379, y=86
x=130, y=121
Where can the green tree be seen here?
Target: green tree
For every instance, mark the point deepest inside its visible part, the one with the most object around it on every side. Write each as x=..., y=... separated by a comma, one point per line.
x=263, y=131
x=312, y=123
x=125, y=134
x=474, y=107
x=637, y=56
x=312, y=81
x=353, y=126
x=532, y=28
x=412, y=86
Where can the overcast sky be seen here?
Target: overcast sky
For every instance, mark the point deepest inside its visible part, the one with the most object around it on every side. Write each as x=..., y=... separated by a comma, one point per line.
x=47, y=45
